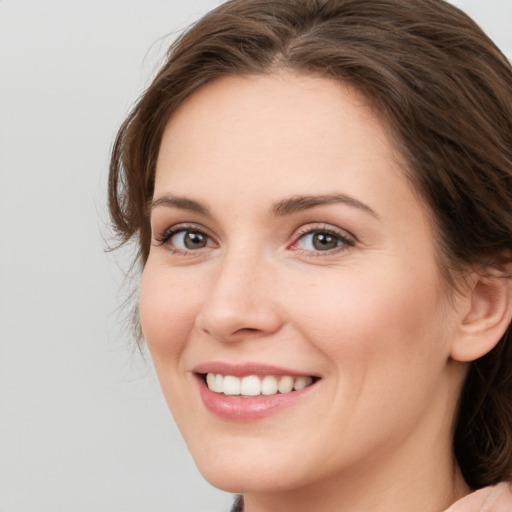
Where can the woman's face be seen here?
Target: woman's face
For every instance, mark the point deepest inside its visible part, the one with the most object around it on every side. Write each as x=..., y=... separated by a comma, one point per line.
x=289, y=249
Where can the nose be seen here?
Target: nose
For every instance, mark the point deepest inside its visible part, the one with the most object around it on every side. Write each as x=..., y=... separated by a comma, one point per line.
x=240, y=303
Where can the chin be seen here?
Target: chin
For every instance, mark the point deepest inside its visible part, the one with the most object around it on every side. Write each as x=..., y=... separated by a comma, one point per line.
x=240, y=465
x=233, y=478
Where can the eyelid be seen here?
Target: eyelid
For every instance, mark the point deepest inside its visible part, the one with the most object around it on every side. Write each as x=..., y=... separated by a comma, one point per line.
x=345, y=237
x=166, y=234
x=348, y=240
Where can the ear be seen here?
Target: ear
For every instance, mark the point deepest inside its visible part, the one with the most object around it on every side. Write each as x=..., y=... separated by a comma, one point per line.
x=486, y=316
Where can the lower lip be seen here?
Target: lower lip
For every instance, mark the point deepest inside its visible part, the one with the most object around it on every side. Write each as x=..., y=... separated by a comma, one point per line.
x=237, y=408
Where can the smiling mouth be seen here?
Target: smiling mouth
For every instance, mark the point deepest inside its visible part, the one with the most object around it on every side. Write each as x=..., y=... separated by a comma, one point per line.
x=254, y=385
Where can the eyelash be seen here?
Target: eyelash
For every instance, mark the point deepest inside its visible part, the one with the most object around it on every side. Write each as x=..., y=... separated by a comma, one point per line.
x=346, y=240
x=166, y=236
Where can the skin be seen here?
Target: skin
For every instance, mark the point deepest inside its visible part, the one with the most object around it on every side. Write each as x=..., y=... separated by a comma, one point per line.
x=373, y=317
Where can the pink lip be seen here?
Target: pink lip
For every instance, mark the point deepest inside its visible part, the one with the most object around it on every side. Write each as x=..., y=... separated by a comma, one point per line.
x=236, y=408
x=243, y=370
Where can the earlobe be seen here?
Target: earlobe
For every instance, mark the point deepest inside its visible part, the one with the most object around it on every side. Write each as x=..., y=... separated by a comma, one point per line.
x=486, y=318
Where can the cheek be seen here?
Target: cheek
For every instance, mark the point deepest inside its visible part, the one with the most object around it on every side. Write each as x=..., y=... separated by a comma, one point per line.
x=168, y=306
x=369, y=319
x=386, y=343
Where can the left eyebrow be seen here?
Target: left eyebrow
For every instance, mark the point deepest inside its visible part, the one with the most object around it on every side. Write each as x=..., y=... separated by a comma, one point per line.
x=182, y=203
x=296, y=204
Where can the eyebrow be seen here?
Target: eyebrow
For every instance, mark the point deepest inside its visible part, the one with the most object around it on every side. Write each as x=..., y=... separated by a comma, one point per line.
x=183, y=203
x=297, y=204
x=282, y=208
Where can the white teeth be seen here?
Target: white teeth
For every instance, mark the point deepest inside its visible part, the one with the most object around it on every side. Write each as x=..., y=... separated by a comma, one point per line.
x=285, y=384
x=210, y=381
x=269, y=385
x=231, y=385
x=218, y=384
x=253, y=385
x=302, y=382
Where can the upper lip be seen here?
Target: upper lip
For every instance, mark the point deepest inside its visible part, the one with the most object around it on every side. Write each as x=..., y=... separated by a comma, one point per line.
x=245, y=369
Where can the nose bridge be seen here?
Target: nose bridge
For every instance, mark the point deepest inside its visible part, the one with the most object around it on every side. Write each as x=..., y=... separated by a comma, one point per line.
x=239, y=300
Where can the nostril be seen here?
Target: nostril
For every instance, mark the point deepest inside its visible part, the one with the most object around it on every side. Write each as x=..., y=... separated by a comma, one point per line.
x=246, y=333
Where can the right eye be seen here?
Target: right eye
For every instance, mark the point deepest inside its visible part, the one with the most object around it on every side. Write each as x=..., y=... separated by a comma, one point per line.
x=183, y=239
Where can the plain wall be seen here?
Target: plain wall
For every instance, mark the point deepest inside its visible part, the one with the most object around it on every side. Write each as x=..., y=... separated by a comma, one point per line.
x=83, y=424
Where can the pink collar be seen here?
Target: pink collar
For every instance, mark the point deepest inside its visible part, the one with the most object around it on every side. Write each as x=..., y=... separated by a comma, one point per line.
x=496, y=498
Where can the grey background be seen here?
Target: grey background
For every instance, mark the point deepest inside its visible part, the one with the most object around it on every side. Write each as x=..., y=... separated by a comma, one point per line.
x=83, y=426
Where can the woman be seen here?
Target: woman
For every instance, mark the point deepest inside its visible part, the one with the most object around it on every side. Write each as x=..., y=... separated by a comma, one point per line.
x=321, y=192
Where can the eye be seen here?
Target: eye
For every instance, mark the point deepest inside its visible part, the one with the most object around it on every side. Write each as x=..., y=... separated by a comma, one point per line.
x=189, y=240
x=323, y=240
x=185, y=239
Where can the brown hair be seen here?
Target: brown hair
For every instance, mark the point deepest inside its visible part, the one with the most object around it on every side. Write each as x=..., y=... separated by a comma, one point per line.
x=446, y=91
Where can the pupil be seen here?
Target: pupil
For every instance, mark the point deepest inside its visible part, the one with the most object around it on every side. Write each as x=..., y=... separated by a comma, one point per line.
x=324, y=242
x=194, y=240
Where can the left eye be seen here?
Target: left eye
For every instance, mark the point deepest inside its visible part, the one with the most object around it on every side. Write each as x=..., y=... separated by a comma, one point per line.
x=322, y=241
x=188, y=240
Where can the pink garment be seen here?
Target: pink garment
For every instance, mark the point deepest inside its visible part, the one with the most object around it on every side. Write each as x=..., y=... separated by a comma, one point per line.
x=497, y=498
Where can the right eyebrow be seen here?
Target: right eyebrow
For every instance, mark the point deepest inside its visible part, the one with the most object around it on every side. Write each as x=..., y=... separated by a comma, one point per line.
x=296, y=204
x=183, y=203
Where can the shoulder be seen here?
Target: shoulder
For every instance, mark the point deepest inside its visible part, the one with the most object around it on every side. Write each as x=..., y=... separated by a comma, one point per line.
x=496, y=498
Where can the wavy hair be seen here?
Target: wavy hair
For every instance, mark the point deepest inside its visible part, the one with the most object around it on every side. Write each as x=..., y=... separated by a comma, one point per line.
x=445, y=91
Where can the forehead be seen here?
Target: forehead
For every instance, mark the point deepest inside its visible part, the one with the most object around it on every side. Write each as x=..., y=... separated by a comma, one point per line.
x=274, y=135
